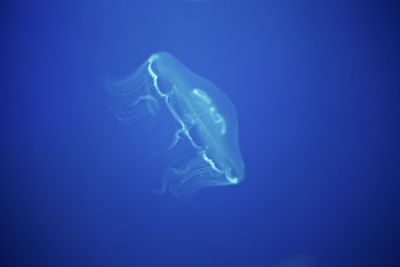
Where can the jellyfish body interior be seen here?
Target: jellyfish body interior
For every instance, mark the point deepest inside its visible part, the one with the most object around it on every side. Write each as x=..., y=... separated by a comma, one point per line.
x=181, y=121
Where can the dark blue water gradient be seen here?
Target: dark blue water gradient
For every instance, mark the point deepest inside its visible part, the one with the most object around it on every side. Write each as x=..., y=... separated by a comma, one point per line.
x=316, y=88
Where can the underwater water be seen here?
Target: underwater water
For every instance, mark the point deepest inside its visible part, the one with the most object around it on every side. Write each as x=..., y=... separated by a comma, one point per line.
x=291, y=104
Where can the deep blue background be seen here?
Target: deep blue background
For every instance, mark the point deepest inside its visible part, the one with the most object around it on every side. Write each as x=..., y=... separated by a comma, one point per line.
x=316, y=87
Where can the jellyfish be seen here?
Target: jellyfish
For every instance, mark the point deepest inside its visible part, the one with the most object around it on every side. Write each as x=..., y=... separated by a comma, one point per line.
x=182, y=122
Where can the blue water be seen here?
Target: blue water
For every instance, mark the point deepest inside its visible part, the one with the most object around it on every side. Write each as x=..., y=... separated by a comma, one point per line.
x=316, y=88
